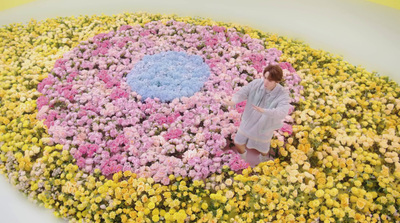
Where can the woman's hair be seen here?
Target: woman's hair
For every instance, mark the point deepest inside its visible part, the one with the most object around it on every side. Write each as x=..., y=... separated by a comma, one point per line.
x=275, y=73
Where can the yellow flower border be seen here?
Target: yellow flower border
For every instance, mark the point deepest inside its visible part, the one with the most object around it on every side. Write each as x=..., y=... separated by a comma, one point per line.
x=341, y=164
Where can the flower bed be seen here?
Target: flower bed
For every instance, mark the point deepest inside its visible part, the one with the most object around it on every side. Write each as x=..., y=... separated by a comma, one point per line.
x=150, y=121
x=102, y=152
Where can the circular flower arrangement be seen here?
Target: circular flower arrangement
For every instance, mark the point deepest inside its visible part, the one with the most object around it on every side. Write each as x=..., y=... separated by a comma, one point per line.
x=168, y=75
x=111, y=124
x=104, y=152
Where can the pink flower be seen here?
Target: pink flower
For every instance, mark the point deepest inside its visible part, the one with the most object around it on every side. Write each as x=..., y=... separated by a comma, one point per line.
x=80, y=162
x=218, y=28
x=42, y=112
x=49, y=81
x=240, y=106
x=42, y=101
x=287, y=128
x=125, y=27
x=83, y=149
x=173, y=134
x=238, y=163
x=89, y=161
x=287, y=66
x=59, y=133
x=118, y=93
x=291, y=109
x=145, y=33
x=165, y=181
x=205, y=172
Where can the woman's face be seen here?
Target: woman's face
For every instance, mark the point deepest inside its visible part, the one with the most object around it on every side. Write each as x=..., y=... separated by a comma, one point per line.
x=270, y=85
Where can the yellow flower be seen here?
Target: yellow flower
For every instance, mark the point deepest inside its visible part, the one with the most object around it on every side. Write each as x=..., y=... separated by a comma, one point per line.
x=204, y=206
x=392, y=209
x=329, y=202
x=319, y=193
x=271, y=206
x=180, y=216
x=274, y=181
x=357, y=183
x=93, y=207
x=228, y=182
x=361, y=203
x=382, y=200
x=229, y=194
x=151, y=205
x=155, y=218
x=315, y=203
x=333, y=192
x=321, y=181
x=140, y=188
x=228, y=207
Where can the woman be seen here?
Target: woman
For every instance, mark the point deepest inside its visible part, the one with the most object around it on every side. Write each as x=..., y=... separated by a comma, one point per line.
x=267, y=105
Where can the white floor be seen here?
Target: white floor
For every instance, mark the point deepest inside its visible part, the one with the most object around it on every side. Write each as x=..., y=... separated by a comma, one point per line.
x=364, y=33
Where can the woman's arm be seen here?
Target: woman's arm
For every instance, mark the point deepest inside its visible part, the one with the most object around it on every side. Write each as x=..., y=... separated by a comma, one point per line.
x=243, y=93
x=281, y=110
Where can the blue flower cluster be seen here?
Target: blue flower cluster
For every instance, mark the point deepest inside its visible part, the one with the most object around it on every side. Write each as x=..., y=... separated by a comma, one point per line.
x=168, y=75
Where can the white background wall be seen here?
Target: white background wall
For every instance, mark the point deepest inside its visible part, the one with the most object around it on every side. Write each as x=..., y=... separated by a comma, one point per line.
x=364, y=33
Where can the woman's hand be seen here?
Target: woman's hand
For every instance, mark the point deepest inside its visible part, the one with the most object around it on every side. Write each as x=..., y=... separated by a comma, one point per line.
x=259, y=109
x=229, y=103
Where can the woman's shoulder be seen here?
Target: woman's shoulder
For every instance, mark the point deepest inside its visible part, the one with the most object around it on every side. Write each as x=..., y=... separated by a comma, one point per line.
x=282, y=91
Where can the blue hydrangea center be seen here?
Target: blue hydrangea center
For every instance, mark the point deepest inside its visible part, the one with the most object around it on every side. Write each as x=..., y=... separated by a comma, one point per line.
x=168, y=75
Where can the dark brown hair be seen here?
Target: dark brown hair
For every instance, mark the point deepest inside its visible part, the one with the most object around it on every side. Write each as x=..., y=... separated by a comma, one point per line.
x=275, y=73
